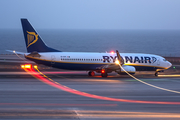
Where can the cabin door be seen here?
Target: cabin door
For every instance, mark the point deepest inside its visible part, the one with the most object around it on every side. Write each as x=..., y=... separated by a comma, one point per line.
x=53, y=59
x=158, y=61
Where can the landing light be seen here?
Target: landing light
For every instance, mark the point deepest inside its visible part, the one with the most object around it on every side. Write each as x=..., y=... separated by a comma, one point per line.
x=117, y=62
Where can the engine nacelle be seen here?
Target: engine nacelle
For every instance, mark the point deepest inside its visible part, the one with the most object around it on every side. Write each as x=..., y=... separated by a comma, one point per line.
x=129, y=69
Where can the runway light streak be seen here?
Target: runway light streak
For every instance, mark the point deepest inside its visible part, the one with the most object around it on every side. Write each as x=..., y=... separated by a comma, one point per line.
x=19, y=56
x=168, y=75
x=35, y=66
x=38, y=113
x=56, y=104
x=148, y=83
x=124, y=114
x=52, y=83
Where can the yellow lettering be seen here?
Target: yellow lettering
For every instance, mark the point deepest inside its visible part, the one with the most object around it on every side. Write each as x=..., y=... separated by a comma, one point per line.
x=32, y=38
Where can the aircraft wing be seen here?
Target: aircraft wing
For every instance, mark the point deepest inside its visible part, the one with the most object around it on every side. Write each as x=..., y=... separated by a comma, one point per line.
x=116, y=67
x=108, y=68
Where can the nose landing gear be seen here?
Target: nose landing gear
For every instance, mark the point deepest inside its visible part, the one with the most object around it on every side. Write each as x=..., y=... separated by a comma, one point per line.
x=156, y=74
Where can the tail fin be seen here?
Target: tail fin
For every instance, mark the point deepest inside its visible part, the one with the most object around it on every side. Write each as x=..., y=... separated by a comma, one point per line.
x=33, y=40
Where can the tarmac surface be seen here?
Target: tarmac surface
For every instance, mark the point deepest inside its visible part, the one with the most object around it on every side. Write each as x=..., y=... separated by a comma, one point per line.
x=66, y=95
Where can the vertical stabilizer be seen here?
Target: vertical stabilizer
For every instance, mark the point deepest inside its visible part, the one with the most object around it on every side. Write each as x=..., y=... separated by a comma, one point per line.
x=33, y=40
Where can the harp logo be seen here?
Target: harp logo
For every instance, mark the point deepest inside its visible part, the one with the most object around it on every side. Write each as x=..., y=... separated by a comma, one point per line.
x=32, y=38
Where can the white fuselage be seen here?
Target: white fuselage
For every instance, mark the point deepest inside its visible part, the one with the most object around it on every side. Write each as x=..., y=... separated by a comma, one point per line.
x=90, y=61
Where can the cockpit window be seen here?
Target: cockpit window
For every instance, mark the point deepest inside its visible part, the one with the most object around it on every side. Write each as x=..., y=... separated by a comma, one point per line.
x=164, y=60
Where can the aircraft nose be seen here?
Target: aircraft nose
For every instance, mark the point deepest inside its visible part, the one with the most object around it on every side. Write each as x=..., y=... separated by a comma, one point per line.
x=169, y=64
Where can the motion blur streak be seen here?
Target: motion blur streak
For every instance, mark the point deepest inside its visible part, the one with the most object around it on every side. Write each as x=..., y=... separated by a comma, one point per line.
x=55, y=104
x=50, y=82
x=83, y=114
x=168, y=75
x=19, y=56
x=123, y=114
x=148, y=83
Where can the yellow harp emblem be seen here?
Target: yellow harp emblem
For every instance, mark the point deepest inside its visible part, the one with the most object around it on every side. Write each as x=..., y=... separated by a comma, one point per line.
x=32, y=38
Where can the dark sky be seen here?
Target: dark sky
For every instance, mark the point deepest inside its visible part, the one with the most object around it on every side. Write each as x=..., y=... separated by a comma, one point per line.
x=91, y=14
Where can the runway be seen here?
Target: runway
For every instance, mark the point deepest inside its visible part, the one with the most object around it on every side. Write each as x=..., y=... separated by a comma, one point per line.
x=31, y=98
x=23, y=96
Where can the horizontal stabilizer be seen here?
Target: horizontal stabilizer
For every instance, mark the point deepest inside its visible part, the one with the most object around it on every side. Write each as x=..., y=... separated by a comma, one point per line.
x=13, y=51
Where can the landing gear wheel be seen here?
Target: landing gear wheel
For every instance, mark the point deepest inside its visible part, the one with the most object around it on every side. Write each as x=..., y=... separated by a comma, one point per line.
x=104, y=74
x=156, y=74
x=91, y=73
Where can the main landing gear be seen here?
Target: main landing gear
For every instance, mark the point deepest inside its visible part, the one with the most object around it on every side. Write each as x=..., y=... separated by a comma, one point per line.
x=103, y=73
x=91, y=73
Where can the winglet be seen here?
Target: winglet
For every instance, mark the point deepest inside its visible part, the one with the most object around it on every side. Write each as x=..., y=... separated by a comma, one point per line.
x=120, y=59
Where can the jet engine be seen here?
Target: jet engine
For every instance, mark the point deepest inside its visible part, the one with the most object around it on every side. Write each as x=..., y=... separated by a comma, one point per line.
x=129, y=69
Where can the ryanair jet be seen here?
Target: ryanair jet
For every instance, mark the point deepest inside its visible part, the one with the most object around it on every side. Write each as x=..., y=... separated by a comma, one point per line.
x=103, y=63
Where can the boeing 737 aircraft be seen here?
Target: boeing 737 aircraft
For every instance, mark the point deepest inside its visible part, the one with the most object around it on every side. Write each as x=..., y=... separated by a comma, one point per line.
x=103, y=63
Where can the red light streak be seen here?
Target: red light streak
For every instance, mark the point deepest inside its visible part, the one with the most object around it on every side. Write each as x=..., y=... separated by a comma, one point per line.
x=70, y=90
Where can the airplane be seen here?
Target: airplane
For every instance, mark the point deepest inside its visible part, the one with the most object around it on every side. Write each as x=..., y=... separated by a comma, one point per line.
x=92, y=62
